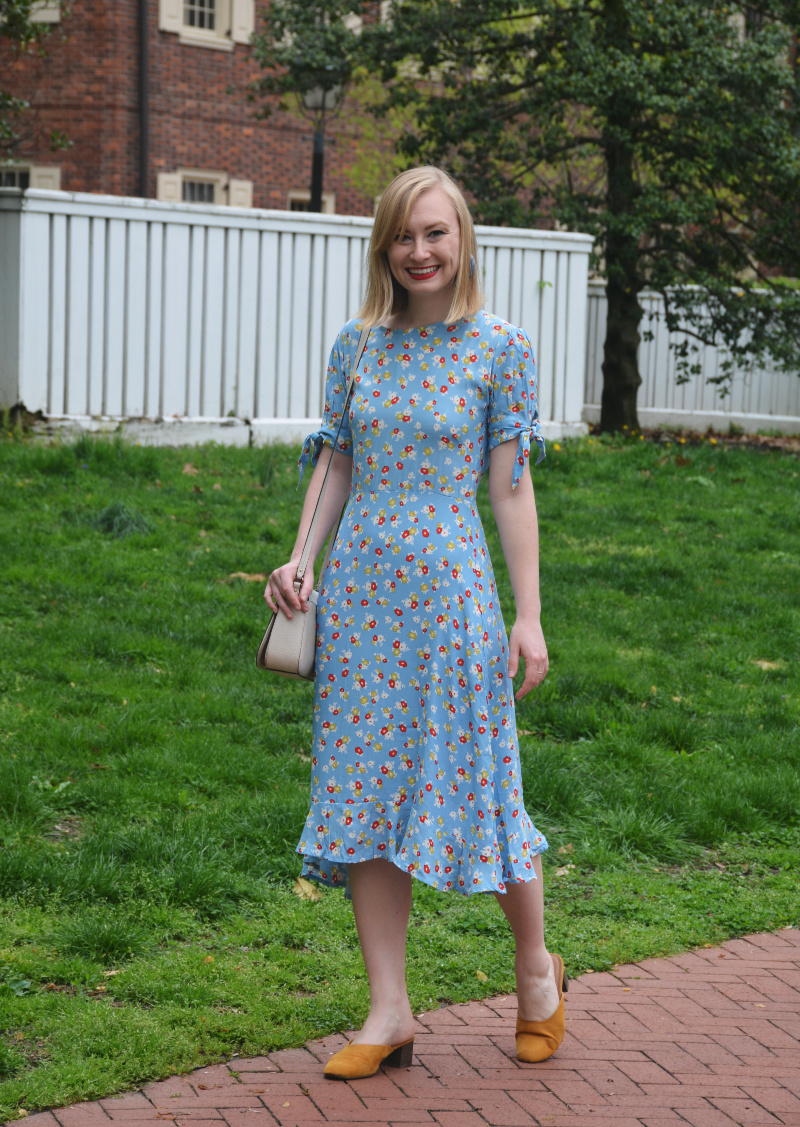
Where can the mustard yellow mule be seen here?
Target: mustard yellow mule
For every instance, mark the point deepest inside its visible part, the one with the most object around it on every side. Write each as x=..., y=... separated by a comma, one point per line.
x=538, y=1040
x=354, y=1062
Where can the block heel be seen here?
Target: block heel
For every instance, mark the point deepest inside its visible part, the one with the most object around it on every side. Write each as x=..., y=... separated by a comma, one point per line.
x=402, y=1056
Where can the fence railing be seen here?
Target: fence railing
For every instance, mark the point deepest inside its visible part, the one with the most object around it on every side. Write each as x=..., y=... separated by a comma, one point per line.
x=760, y=398
x=135, y=309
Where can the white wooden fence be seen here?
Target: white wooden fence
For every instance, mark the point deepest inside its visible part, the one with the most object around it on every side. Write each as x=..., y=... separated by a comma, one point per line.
x=219, y=321
x=191, y=323
x=758, y=398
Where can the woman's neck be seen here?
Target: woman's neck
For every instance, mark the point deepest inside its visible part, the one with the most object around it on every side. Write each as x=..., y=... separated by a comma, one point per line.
x=415, y=314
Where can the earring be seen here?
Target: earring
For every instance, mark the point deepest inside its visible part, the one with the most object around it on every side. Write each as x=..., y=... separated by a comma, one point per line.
x=471, y=266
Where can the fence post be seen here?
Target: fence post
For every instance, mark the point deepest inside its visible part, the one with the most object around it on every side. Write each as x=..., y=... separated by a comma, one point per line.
x=10, y=287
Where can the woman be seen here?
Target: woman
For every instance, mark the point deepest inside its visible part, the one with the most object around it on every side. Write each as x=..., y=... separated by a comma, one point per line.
x=415, y=757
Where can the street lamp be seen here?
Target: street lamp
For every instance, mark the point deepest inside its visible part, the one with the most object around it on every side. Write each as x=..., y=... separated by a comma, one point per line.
x=319, y=101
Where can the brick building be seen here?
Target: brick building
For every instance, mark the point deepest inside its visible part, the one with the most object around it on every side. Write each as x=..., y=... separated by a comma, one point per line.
x=151, y=96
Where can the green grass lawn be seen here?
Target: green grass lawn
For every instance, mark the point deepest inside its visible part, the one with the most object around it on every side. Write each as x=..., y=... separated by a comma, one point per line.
x=154, y=783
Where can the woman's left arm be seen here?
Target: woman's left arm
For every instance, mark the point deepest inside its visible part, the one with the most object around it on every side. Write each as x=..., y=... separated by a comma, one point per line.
x=515, y=513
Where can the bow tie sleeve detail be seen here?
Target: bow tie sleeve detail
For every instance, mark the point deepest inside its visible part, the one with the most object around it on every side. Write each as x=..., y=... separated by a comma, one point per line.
x=335, y=395
x=514, y=408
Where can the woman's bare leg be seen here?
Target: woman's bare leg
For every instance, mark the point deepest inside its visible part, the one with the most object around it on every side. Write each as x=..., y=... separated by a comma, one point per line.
x=523, y=905
x=381, y=904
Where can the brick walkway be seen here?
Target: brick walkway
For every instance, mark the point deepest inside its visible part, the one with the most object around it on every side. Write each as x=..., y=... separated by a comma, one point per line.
x=710, y=1038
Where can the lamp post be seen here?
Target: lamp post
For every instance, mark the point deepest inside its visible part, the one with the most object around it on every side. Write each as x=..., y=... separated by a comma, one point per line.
x=319, y=102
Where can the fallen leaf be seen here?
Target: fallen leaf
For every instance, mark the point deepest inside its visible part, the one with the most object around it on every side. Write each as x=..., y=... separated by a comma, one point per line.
x=287, y=1104
x=569, y=848
x=766, y=664
x=216, y=485
x=190, y=469
x=19, y=1036
x=562, y=870
x=208, y=959
x=677, y=699
x=202, y=534
x=760, y=1005
x=111, y=973
x=100, y=989
x=248, y=577
x=626, y=989
x=197, y=489
x=481, y=976
x=305, y=889
x=21, y=1112
x=653, y=689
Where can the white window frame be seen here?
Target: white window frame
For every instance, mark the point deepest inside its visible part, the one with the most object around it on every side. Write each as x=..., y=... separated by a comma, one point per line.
x=45, y=177
x=46, y=11
x=228, y=191
x=235, y=23
x=303, y=195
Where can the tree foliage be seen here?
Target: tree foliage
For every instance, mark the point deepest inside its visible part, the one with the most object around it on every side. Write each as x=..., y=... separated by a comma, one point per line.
x=668, y=129
x=306, y=45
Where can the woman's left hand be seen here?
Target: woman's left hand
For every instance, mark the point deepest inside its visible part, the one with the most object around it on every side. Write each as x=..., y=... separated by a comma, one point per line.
x=527, y=642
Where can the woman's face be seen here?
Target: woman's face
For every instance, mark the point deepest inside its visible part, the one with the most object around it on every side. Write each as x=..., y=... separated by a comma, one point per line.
x=425, y=258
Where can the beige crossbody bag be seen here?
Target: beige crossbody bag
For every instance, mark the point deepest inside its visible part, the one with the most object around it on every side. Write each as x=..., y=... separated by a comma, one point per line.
x=289, y=644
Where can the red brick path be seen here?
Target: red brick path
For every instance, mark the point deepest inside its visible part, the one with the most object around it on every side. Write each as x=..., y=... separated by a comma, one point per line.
x=710, y=1038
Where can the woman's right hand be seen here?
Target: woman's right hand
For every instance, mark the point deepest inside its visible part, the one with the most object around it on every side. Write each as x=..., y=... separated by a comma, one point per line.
x=280, y=593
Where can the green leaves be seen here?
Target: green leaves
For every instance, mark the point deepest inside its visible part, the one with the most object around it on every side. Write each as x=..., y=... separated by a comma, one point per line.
x=669, y=131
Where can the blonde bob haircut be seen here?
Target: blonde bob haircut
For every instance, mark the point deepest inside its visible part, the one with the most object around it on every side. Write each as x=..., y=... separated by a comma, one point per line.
x=385, y=295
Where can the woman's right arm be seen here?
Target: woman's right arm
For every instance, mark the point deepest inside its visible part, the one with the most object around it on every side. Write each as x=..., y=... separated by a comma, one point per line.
x=280, y=593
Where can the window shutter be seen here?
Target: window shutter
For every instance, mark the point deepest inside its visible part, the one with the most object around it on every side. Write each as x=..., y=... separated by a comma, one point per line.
x=168, y=187
x=240, y=193
x=46, y=177
x=243, y=20
x=170, y=15
x=46, y=11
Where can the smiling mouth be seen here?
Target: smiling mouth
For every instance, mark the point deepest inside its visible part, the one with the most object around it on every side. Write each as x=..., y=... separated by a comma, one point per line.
x=422, y=272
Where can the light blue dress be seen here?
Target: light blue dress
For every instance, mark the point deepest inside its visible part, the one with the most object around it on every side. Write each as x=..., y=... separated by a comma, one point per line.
x=415, y=756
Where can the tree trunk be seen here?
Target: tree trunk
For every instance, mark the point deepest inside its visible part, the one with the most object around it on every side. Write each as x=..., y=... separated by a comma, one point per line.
x=621, y=377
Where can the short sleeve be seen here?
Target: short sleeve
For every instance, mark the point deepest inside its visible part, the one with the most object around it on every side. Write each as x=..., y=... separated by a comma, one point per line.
x=513, y=406
x=335, y=393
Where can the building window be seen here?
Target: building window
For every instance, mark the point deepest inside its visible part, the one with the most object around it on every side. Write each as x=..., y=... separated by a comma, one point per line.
x=298, y=199
x=46, y=177
x=200, y=13
x=15, y=178
x=199, y=191
x=204, y=186
x=208, y=23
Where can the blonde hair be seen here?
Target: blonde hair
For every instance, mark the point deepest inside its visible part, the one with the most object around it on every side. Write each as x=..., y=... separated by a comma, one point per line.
x=384, y=294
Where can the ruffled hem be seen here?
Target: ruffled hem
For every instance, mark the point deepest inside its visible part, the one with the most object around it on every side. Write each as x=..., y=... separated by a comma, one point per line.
x=312, y=448
x=447, y=863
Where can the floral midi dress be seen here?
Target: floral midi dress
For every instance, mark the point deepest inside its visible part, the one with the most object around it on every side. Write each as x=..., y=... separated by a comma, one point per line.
x=415, y=756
